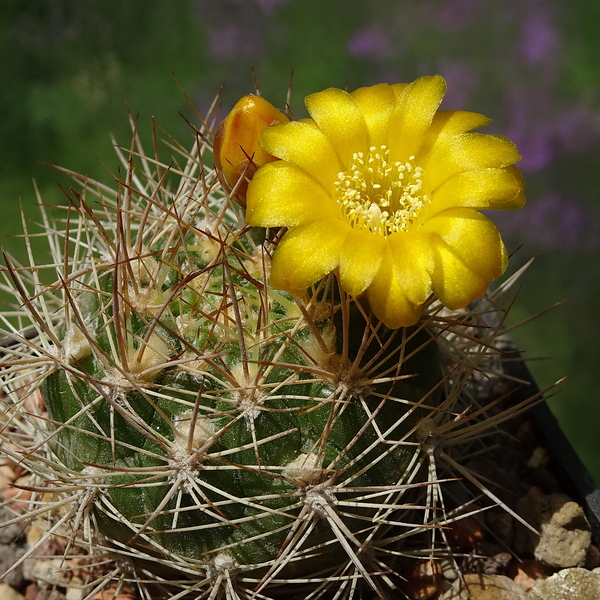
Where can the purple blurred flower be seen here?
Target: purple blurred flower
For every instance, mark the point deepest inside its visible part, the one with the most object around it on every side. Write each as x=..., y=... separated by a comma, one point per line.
x=369, y=42
x=532, y=128
x=265, y=5
x=543, y=132
x=462, y=79
x=552, y=221
x=537, y=150
x=232, y=40
x=540, y=41
x=270, y=5
x=577, y=128
x=454, y=14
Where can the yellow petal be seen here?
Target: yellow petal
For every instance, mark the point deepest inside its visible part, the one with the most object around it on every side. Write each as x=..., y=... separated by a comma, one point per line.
x=281, y=194
x=413, y=262
x=398, y=88
x=412, y=116
x=445, y=125
x=453, y=283
x=387, y=298
x=360, y=259
x=519, y=200
x=466, y=152
x=376, y=104
x=339, y=118
x=473, y=238
x=307, y=253
x=306, y=146
x=499, y=189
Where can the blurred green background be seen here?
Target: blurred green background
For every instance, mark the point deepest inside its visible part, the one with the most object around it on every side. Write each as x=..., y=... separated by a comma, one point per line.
x=68, y=68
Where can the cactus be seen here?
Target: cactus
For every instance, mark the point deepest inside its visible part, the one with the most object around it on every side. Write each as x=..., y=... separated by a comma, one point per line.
x=216, y=436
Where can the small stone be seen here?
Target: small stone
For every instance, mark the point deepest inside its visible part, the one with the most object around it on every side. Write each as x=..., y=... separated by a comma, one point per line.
x=8, y=557
x=75, y=591
x=525, y=432
x=539, y=458
x=7, y=476
x=474, y=586
x=31, y=591
x=36, y=531
x=527, y=572
x=501, y=525
x=422, y=579
x=111, y=594
x=50, y=571
x=20, y=497
x=9, y=534
x=9, y=593
x=449, y=569
x=592, y=558
x=565, y=532
x=484, y=562
x=568, y=584
x=48, y=594
x=465, y=533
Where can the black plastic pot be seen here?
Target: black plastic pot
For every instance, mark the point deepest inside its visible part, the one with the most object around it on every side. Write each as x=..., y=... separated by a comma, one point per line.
x=568, y=467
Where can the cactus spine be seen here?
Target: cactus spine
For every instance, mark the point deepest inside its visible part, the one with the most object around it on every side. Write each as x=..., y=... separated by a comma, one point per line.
x=221, y=438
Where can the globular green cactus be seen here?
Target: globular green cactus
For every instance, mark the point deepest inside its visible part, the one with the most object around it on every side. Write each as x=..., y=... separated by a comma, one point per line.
x=214, y=410
x=219, y=437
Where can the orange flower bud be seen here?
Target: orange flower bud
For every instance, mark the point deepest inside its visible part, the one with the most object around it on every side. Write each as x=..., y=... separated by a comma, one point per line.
x=236, y=150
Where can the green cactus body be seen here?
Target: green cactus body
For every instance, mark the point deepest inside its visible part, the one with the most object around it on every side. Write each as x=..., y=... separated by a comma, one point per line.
x=221, y=418
x=222, y=436
x=218, y=421
x=200, y=434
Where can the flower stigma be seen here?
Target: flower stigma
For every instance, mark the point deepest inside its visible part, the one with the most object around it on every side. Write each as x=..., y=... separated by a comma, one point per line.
x=378, y=195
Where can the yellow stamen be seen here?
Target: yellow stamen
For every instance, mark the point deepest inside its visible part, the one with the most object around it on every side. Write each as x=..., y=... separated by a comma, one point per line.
x=380, y=196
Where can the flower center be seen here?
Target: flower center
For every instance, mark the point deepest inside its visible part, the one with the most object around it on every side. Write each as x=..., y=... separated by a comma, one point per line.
x=380, y=196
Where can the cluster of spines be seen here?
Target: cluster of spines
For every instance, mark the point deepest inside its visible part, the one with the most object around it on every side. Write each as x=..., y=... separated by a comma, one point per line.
x=132, y=243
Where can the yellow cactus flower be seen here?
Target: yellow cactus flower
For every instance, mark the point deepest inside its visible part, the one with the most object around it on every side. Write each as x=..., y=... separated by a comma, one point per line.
x=385, y=189
x=236, y=150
